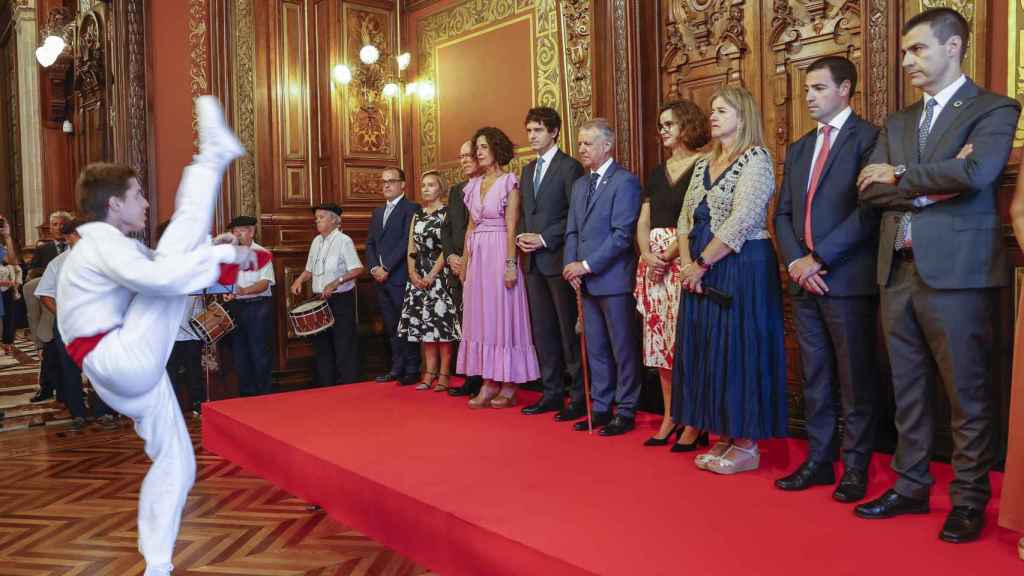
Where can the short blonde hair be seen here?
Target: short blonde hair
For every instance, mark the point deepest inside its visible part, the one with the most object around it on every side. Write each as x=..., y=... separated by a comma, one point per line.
x=750, y=132
x=440, y=180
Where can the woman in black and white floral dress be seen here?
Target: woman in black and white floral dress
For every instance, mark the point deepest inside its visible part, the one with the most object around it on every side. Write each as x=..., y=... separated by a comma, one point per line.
x=429, y=315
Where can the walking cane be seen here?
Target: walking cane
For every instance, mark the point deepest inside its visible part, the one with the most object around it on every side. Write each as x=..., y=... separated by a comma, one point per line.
x=583, y=360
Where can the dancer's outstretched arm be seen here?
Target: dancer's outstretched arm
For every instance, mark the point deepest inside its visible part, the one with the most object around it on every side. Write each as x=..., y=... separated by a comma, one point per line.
x=128, y=264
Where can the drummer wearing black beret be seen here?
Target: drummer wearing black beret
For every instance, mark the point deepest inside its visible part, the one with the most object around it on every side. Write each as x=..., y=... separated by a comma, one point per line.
x=251, y=307
x=333, y=265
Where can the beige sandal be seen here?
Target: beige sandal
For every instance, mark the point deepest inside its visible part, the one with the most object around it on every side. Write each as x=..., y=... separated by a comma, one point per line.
x=428, y=382
x=744, y=460
x=442, y=383
x=717, y=451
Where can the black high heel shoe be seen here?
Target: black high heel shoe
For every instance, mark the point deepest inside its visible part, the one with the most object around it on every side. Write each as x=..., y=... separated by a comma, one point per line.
x=702, y=440
x=655, y=441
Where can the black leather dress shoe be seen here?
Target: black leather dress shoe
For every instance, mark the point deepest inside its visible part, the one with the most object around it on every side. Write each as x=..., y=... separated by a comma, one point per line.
x=571, y=412
x=389, y=377
x=599, y=419
x=41, y=397
x=852, y=486
x=408, y=379
x=618, y=426
x=810, y=473
x=963, y=524
x=542, y=407
x=889, y=505
x=461, y=391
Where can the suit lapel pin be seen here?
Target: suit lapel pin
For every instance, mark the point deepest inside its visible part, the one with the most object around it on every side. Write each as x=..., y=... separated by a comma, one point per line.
x=958, y=104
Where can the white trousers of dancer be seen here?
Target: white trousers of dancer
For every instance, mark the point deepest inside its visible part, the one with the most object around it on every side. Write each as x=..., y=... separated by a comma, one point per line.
x=127, y=370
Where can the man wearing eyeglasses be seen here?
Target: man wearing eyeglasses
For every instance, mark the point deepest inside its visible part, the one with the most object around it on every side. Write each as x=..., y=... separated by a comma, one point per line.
x=386, y=247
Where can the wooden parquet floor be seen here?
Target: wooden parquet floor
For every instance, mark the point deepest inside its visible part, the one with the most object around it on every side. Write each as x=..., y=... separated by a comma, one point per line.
x=68, y=504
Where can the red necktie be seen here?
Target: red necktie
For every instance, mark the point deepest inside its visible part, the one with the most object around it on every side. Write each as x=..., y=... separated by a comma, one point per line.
x=819, y=167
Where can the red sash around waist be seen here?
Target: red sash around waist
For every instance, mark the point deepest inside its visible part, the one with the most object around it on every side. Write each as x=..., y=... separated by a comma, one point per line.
x=79, y=348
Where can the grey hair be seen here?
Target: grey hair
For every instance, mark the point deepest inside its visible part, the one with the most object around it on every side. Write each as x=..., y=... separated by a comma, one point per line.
x=64, y=216
x=603, y=126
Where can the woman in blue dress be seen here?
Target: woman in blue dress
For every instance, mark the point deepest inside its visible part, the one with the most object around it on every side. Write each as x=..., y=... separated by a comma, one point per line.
x=730, y=371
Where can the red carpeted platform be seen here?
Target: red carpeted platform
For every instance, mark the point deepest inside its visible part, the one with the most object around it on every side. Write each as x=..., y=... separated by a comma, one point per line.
x=492, y=492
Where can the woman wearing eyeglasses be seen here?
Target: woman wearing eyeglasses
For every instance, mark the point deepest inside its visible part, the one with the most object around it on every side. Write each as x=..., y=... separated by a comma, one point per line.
x=683, y=128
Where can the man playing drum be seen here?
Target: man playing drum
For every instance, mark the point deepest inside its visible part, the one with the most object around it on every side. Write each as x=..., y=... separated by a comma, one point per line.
x=333, y=264
x=251, y=308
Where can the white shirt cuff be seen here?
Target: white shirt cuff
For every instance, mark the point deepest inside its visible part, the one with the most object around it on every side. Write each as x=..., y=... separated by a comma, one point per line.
x=586, y=266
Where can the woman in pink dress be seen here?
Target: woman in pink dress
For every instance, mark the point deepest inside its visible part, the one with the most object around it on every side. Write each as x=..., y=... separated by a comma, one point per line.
x=496, y=338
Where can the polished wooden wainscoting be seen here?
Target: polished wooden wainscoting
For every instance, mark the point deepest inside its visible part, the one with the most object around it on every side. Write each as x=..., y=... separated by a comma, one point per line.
x=68, y=505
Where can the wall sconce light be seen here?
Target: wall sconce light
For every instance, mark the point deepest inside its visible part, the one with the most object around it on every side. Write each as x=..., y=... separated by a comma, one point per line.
x=57, y=34
x=372, y=76
x=67, y=127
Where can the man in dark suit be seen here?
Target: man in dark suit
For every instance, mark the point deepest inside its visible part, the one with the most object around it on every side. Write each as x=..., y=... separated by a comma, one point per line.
x=935, y=171
x=47, y=250
x=546, y=188
x=386, y=246
x=830, y=245
x=600, y=260
x=453, y=239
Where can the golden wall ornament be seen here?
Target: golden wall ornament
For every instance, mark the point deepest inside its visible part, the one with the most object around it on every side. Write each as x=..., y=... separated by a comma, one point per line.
x=1015, y=66
x=577, y=23
x=199, y=56
x=466, y=17
x=370, y=117
x=243, y=65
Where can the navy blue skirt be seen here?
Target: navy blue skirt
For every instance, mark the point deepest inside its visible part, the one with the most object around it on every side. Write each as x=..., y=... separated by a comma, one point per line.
x=730, y=365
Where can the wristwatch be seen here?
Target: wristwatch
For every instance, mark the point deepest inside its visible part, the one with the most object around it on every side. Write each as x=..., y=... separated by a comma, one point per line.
x=700, y=261
x=899, y=171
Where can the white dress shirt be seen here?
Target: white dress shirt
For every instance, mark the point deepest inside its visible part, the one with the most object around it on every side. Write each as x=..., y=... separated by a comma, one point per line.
x=246, y=279
x=106, y=270
x=48, y=283
x=389, y=207
x=837, y=124
x=331, y=258
x=547, y=157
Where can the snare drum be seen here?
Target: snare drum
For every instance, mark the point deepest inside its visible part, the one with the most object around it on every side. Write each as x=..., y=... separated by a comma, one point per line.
x=311, y=317
x=212, y=323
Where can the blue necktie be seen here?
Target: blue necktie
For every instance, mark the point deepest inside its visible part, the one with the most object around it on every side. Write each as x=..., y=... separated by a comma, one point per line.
x=536, y=177
x=594, y=177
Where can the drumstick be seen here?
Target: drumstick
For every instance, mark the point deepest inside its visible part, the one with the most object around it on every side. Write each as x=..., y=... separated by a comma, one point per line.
x=583, y=360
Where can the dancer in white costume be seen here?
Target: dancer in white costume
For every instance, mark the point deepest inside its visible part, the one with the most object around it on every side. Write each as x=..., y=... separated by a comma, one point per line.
x=119, y=306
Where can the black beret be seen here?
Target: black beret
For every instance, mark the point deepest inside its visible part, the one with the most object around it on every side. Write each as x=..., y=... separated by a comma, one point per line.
x=330, y=207
x=242, y=221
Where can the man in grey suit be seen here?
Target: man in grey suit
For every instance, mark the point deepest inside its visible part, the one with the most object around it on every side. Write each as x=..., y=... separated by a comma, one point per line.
x=830, y=244
x=935, y=171
x=546, y=188
x=601, y=261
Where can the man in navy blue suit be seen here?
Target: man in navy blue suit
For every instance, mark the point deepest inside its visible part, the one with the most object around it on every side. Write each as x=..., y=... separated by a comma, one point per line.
x=600, y=260
x=386, y=247
x=830, y=244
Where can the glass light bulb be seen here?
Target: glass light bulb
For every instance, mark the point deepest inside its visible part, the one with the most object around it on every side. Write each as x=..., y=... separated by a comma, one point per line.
x=342, y=74
x=403, y=60
x=411, y=88
x=369, y=54
x=425, y=90
x=55, y=43
x=390, y=90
